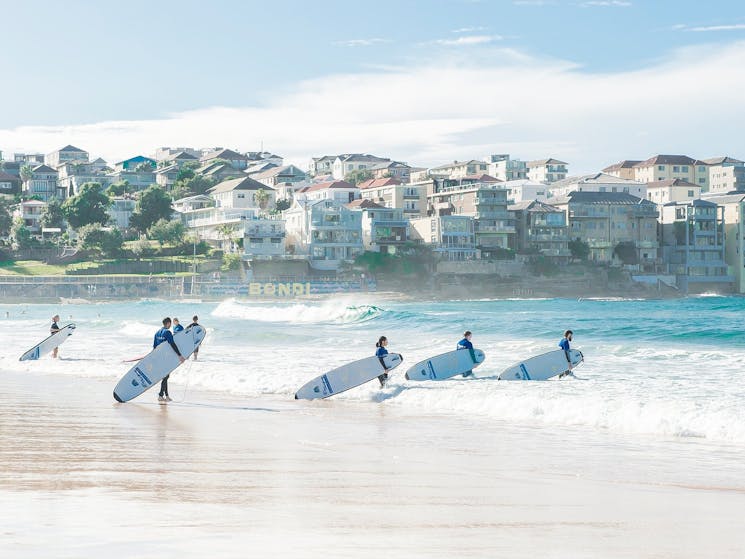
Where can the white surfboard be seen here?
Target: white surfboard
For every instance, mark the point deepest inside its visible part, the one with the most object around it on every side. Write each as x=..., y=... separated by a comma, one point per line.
x=446, y=365
x=542, y=367
x=48, y=344
x=347, y=376
x=160, y=362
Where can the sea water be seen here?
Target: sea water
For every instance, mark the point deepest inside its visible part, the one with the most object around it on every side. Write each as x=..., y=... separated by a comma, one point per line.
x=671, y=369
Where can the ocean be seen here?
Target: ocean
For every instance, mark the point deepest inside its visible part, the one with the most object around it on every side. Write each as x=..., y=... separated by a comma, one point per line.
x=668, y=369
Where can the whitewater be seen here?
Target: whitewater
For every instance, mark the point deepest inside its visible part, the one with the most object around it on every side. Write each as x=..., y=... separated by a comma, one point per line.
x=669, y=369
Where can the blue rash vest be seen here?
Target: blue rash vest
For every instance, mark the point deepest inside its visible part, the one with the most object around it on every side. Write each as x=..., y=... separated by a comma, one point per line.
x=464, y=344
x=177, y=328
x=381, y=351
x=564, y=344
x=164, y=335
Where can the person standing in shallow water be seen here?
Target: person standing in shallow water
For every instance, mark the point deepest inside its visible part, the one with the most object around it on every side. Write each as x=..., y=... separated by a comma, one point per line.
x=53, y=330
x=564, y=344
x=465, y=343
x=381, y=352
x=161, y=336
x=194, y=322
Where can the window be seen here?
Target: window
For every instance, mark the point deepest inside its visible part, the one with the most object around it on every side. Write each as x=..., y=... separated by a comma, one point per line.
x=676, y=169
x=690, y=193
x=660, y=168
x=684, y=169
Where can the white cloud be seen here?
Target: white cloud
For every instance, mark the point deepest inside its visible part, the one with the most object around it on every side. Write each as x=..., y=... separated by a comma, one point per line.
x=468, y=29
x=732, y=27
x=362, y=42
x=606, y=3
x=455, y=107
x=468, y=40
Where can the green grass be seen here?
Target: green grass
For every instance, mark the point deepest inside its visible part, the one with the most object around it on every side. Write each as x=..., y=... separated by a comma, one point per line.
x=30, y=268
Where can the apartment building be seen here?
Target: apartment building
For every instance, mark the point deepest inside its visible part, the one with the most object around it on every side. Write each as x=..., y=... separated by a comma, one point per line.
x=501, y=167
x=726, y=174
x=66, y=154
x=384, y=229
x=596, y=182
x=459, y=169
x=342, y=192
x=547, y=170
x=667, y=167
x=43, y=184
x=672, y=190
x=605, y=219
x=734, y=235
x=541, y=228
x=623, y=169
x=452, y=237
x=694, y=245
x=411, y=198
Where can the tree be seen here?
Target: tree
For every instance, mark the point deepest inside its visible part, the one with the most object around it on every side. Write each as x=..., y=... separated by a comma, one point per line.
x=94, y=237
x=165, y=231
x=20, y=234
x=579, y=249
x=53, y=215
x=227, y=231
x=144, y=167
x=261, y=197
x=190, y=186
x=358, y=175
x=154, y=204
x=118, y=188
x=626, y=252
x=26, y=172
x=231, y=262
x=89, y=206
x=6, y=217
x=283, y=204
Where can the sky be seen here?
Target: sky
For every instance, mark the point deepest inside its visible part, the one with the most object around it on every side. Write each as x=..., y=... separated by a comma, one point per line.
x=589, y=82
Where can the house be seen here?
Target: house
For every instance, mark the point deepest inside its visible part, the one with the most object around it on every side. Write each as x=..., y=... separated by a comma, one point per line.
x=65, y=155
x=261, y=236
x=726, y=174
x=179, y=159
x=623, y=169
x=280, y=175
x=264, y=156
x=524, y=190
x=505, y=169
x=73, y=174
x=167, y=153
x=43, y=184
x=243, y=193
x=259, y=167
x=9, y=184
x=322, y=165
x=346, y=163
x=410, y=198
x=236, y=160
x=596, y=182
x=541, y=228
x=664, y=167
x=325, y=231
x=137, y=163
x=340, y=191
x=450, y=236
x=486, y=203
x=219, y=171
x=694, y=246
x=604, y=220
x=121, y=209
x=547, y=170
x=384, y=229
x=30, y=211
x=459, y=169
x=734, y=234
x=166, y=177
x=672, y=190
x=391, y=169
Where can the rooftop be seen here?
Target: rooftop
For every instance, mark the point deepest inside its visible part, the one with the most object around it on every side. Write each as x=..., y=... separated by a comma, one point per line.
x=246, y=183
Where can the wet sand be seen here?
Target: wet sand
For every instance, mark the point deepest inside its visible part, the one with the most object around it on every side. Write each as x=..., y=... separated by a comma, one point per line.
x=82, y=476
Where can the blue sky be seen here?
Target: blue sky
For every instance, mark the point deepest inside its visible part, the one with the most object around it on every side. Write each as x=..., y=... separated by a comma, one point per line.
x=79, y=63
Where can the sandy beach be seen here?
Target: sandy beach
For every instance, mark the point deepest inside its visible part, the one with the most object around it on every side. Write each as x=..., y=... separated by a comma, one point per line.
x=82, y=476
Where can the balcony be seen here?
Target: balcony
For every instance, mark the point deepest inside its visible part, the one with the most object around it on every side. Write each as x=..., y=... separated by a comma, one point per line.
x=495, y=229
x=256, y=232
x=599, y=243
x=549, y=238
x=411, y=196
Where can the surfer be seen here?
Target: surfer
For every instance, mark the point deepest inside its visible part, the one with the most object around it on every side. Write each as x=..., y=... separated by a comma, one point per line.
x=381, y=352
x=164, y=335
x=564, y=344
x=53, y=330
x=465, y=343
x=177, y=325
x=194, y=322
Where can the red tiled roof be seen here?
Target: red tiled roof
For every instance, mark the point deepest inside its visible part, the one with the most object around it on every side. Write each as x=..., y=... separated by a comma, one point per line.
x=376, y=183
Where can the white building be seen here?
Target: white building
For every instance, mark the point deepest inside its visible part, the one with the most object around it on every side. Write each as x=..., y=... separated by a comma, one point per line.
x=344, y=164
x=501, y=167
x=339, y=191
x=547, y=170
x=597, y=182
x=120, y=211
x=328, y=233
x=43, y=183
x=524, y=190
x=243, y=193
x=411, y=198
x=672, y=190
x=666, y=167
x=452, y=237
x=31, y=211
x=383, y=229
x=726, y=174
x=65, y=155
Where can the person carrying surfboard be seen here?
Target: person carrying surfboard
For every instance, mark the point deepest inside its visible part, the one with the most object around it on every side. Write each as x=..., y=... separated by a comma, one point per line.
x=53, y=330
x=194, y=322
x=465, y=343
x=177, y=325
x=564, y=344
x=164, y=335
x=380, y=352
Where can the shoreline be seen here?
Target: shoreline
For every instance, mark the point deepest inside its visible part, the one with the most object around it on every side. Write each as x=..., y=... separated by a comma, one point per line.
x=213, y=474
